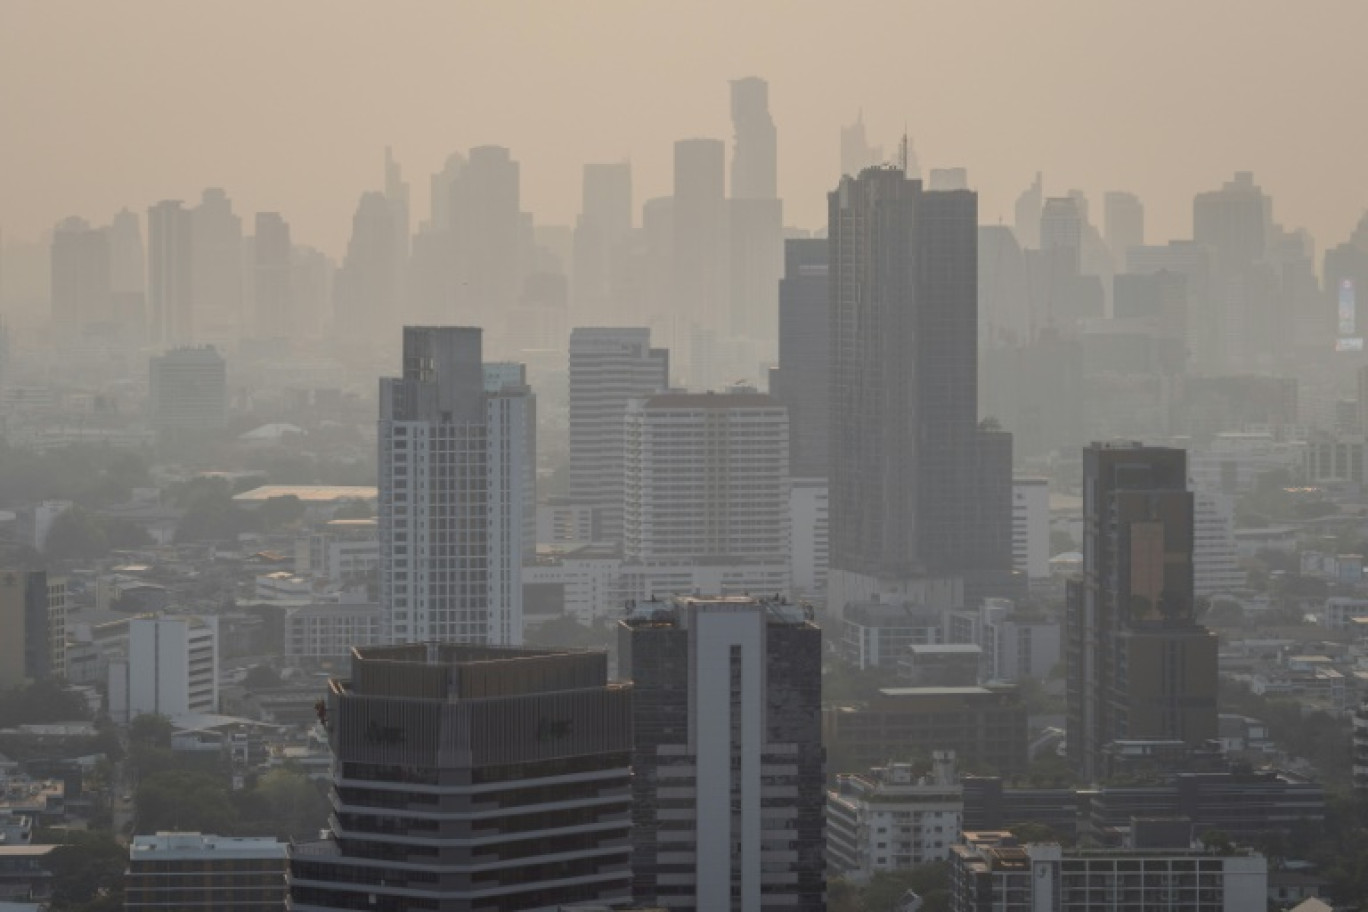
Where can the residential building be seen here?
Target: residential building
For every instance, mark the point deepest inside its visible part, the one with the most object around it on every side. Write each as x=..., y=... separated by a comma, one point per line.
x=473, y=777
x=512, y=482
x=195, y=870
x=188, y=393
x=170, y=289
x=608, y=368
x=727, y=754
x=33, y=608
x=345, y=552
x=893, y=818
x=329, y=630
x=810, y=528
x=919, y=490
x=876, y=634
x=992, y=872
x=941, y=665
x=216, y=269
x=81, y=285
x=699, y=265
x=171, y=668
x=1215, y=560
x=1139, y=666
x=1031, y=527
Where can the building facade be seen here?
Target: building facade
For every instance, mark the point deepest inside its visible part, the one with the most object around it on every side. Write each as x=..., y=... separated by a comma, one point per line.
x=188, y=392
x=171, y=668
x=473, y=778
x=197, y=871
x=727, y=755
x=33, y=617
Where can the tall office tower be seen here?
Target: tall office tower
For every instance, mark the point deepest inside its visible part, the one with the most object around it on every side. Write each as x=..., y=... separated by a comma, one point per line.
x=440, y=191
x=512, y=462
x=1346, y=284
x=33, y=616
x=488, y=230
x=275, y=315
x=656, y=259
x=755, y=217
x=434, y=491
x=602, y=235
x=365, y=284
x=856, y=152
x=188, y=392
x=920, y=492
x=127, y=259
x=754, y=162
x=707, y=483
x=1061, y=226
x=80, y=277
x=171, y=670
x=727, y=755
x=802, y=379
x=216, y=268
x=397, y=193
x=1026, y=215
x=1004, y=297
x=1123, y=225
x=608, y=368
x=1234, y=222
x=170, y=294
x=948, y=179
x=311, y=289
x=470, y=778
x=1139, y=666
x=699, y=260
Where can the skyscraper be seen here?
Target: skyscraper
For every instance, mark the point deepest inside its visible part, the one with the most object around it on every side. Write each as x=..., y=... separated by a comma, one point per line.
x=488, y=230
x=753, y=166
x=511, y=415
x=275, y=315
x=856, y=152
x=364, y=290
x=472, y=778
x=434, y=491
x=727, y=755
x=1123, y=225
x=80, y=277
x=608, y=368
x=802, y=379
x=1139, y=666
x=919, y=491
x=216, y=267
x=33, y=616
x=1026, y=214
x=170, y=296
x=600, y=247
x=188, y=393
x=699, y=265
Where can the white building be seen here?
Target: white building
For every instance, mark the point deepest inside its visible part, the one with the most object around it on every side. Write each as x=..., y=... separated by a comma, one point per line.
x=171, y=668
x=808, y=518
x=511, y=431
x=343, y=551
x=891, y=818
x=452, y=527
x=706, y=493
x=1031, y=527
x=589, y=579
x=608, y=368
x=1215, y=559
x=1015, y=645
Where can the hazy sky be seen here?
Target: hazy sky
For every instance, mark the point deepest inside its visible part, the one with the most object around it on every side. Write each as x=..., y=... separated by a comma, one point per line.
x=288, y=105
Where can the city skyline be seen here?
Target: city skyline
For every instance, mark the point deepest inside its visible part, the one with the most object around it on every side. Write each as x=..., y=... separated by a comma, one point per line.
x=1153, y=131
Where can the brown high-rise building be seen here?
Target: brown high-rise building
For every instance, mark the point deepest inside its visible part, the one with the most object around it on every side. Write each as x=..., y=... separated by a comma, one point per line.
x=1140, y=668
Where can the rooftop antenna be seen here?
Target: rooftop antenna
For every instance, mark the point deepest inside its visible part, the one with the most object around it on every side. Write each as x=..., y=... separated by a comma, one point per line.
x=902, y=150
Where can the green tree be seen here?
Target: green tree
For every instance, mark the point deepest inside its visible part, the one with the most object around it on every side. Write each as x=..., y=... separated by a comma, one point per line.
x=278, y=512
x=184, y=800
x=150, y=729
x=75, y=535
x=285, y=803
x=84, y=865
x=41, y=701
x=354, y=509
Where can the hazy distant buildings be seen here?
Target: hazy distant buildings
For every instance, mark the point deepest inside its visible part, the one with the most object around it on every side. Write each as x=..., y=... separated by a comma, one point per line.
x=755, y=214
x=699, y=256
x=272, y=280
x=1139, y=666
x=919, y=490
x=727, y=756
x=1123, y=225
x=81, y=283
x=608, y=368
x=33, y=616
x=450, y=543
x=802, y=379
x=188, y=393
x=601, y=246
x=216, y=268
x=488, y=232
x=504, y=776
x=856, y=152
x=364, y=290
x=127, y=258
x=170, y=283
x=1026, y=215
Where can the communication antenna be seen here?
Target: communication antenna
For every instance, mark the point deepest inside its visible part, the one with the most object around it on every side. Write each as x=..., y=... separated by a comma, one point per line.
x=902, y=150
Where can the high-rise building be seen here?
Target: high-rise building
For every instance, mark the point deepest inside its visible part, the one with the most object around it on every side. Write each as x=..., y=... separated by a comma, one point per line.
x=893, y=817
x=272, y=277
x=699, y=260
x=170, y=287
x=919, y=490
x=33, y=616
x=1031, y=527
x=216, y=267
x=706, y=482
x=1139, y=666
x=472, y=778
x=1234, y=222
x=188, y=392
x=511, y=417
x=1061, y=227
x=489, y=233
x=364, y=293
x=1026, y=214
x=608, y=368
x=802, y=379
x=754, y=213
x=127, y=259
x=434, y=491
x=727, y=754
x=602, y=235
x=232, y=873
x=81, y=284
x=1123, y=224
x=856, y=152
x=754, y=155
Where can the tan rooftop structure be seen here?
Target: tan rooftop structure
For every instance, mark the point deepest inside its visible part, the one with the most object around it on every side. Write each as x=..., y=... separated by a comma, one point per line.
x=309, y=494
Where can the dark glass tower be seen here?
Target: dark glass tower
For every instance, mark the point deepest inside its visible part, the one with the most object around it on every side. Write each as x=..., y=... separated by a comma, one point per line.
x=1139, y=666
x=918, y=487
x=802, y=381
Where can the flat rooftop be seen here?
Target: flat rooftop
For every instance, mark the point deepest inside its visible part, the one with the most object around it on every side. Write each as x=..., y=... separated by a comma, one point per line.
x=199, y=845
x=312, y=494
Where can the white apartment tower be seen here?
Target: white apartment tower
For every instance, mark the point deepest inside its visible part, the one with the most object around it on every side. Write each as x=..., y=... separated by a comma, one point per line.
x=1031, y=527
x=511, y=411
x=608, y=367
x=172, y=668
x=1215, y=561
x=707, y=483
x=450, y=544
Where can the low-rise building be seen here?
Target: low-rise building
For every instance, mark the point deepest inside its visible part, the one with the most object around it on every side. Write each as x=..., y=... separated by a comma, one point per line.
x=877, y=634
x=197, y=871
x=329, y=630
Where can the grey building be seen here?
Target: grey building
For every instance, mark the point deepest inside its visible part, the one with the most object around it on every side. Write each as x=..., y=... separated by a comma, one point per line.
x=170, y=292
x=727, y=754
x=80, y=276
x=802, y=379
x=918, y=488
x=473, y=778
x=188, y=393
